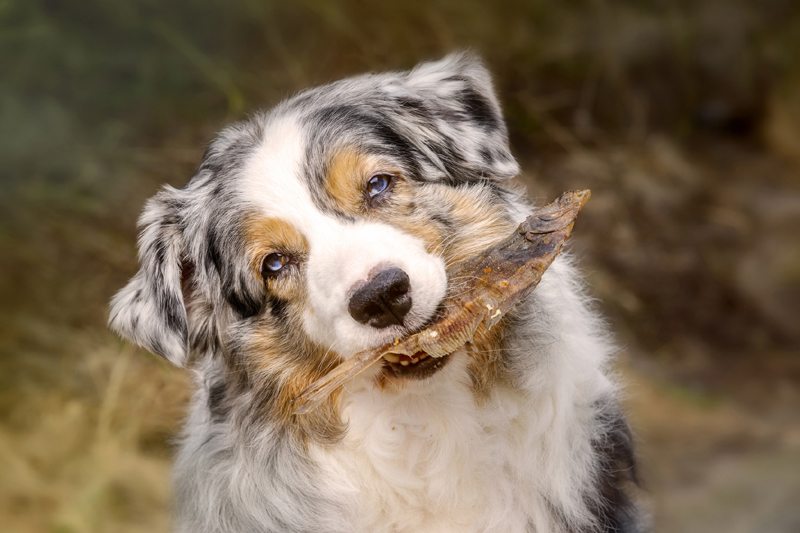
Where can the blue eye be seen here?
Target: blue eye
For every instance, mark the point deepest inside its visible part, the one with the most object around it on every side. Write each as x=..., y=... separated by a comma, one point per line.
x=378, y=184
x=273, y=263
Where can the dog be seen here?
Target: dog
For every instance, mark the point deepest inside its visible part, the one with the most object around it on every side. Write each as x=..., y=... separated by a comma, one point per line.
x=327, y=226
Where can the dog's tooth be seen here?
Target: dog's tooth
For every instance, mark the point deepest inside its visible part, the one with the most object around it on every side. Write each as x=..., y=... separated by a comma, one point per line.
x=404, y=362
x=392, y=358
x=415, y=360
x=424, y=355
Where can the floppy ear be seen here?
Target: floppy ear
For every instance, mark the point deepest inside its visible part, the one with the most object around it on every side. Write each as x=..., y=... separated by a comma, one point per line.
x=149, y=310
x=469, y=138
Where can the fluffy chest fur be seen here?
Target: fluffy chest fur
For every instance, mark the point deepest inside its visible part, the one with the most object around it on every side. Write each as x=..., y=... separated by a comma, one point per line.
x=429, y=458
x=434, y=457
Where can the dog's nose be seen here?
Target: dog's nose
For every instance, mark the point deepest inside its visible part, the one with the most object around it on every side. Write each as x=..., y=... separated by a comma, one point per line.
x=383, y=301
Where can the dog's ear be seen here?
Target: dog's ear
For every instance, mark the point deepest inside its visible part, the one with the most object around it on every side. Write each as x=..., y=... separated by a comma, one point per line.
x=468, y=134
x=150, y=309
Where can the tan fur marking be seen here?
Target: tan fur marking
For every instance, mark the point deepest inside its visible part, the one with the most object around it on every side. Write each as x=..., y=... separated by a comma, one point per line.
x=345, y=179
x=485, y=366
x=289, y=366
x=422, y=229
x=266, y=235
x=347, y=176
x=480, y=222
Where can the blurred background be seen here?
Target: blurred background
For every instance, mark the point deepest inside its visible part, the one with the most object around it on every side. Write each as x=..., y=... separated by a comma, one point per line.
x=682, y=116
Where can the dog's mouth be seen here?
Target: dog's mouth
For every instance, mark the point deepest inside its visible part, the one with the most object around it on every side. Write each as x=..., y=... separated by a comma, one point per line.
x=420, y=365
x=417, y=366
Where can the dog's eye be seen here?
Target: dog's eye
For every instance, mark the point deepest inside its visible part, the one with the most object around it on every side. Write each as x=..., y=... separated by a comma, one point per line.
x=378, y=184
x=273, y=264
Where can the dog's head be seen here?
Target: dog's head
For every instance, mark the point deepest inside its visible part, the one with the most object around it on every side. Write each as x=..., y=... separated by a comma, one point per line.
x=323, y=227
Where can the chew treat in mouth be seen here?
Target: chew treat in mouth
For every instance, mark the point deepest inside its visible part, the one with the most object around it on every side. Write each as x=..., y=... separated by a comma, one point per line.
x=498, y=280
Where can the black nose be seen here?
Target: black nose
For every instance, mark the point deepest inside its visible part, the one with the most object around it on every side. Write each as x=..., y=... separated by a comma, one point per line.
x=383, y=301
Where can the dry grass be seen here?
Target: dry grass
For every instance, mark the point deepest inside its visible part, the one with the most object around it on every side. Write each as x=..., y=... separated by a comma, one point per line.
x=94, y=460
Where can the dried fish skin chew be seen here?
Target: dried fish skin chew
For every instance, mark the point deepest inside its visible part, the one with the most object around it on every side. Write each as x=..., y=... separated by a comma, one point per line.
x=498, y=279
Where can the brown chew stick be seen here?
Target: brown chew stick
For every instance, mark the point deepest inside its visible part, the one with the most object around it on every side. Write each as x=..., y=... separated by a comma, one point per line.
x=497, y=280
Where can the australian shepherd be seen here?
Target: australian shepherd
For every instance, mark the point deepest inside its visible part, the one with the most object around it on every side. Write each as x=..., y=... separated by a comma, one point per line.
x=329, y=225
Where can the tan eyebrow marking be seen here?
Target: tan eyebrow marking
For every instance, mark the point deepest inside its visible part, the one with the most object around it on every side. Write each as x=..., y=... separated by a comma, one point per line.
x=269, y=234
x=347, y=170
